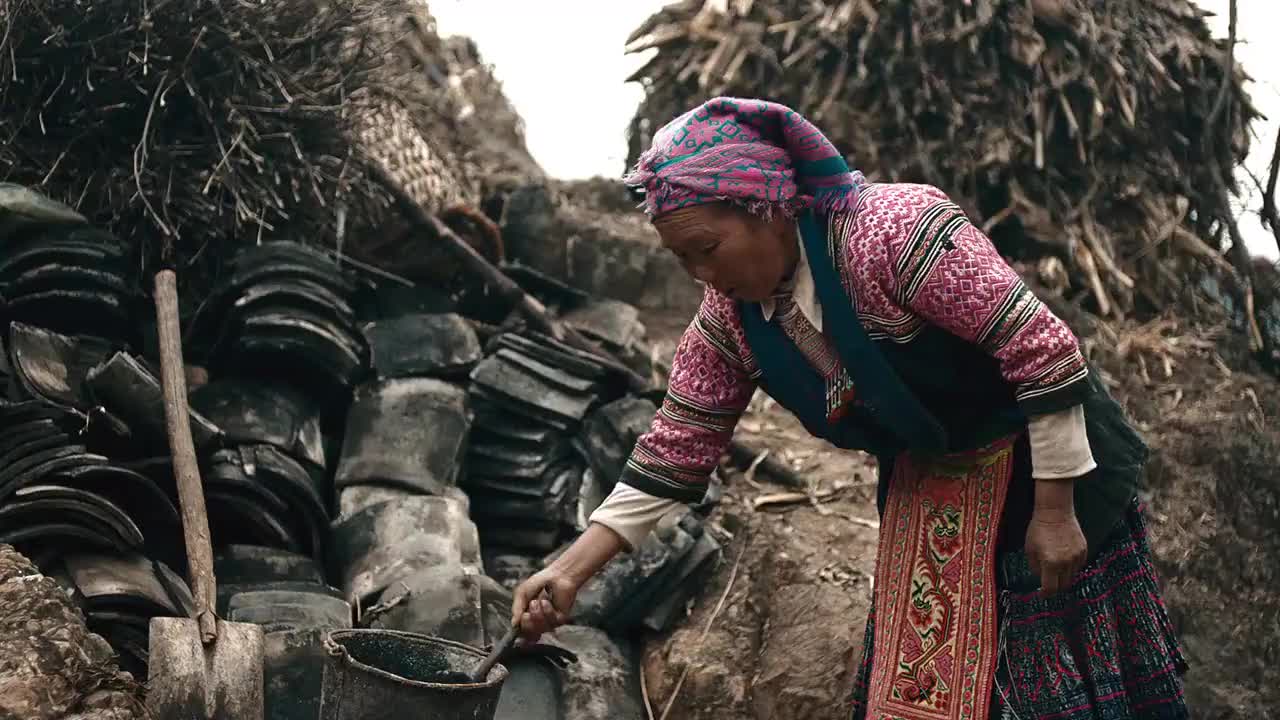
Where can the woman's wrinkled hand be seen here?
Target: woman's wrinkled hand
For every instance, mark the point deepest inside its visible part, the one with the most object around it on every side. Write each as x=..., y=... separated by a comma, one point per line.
x=1056, y=548
x=542, y=603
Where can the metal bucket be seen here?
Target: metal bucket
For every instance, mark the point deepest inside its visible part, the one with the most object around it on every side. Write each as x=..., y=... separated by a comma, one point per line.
x=390, y=675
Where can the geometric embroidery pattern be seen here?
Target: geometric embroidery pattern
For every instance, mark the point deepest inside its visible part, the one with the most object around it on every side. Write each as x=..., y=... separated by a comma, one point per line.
x=909, y=259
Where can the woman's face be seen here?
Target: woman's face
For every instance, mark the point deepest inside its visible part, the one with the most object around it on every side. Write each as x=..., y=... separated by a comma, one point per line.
x=737, y=253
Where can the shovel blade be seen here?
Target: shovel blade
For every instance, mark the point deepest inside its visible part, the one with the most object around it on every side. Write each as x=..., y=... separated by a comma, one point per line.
x=190, y=681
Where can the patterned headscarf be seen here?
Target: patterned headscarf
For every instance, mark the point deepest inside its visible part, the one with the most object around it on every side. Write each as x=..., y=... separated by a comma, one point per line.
x=755, y=153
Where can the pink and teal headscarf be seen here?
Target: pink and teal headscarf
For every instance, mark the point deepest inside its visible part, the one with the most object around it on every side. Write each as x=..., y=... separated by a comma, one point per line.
x=756, y=153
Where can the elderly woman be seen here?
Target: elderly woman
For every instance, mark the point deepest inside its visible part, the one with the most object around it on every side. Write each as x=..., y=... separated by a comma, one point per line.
x=1013, y=575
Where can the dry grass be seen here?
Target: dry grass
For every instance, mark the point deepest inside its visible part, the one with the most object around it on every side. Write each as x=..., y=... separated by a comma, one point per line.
x=198, y=121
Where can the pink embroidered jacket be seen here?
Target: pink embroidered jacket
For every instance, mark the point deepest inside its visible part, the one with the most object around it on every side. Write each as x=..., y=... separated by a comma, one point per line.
x=892, y=265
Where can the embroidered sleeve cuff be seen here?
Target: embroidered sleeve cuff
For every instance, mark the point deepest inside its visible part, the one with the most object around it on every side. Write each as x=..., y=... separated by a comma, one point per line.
x=1060, y=445
x=1061, y=387
x=662, y=482
x=632, y=513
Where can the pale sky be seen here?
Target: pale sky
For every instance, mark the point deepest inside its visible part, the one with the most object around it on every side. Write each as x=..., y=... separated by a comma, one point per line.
x=561, y=63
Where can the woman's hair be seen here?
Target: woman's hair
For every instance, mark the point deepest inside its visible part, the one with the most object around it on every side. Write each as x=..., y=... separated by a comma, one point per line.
x=765, y=209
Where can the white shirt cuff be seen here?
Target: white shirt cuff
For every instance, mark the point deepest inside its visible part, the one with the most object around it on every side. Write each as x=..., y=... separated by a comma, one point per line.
x=632, y=513
x=1060, y=445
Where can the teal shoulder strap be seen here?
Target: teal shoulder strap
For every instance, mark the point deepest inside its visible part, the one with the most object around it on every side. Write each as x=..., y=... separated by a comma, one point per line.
x=882, y=390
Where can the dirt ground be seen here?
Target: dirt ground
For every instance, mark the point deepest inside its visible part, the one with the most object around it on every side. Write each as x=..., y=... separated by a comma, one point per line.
x=1215, y=508
x=781, y=641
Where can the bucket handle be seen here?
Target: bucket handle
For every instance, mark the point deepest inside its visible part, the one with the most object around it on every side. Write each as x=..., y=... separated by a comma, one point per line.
x=335, y=649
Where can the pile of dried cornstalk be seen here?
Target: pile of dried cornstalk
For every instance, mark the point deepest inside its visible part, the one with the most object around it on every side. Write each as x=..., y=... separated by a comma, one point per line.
x=1098, y=136
x=205, y=122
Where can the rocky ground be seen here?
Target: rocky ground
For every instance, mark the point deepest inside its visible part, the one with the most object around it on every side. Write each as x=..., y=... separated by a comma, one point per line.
x=51, y=666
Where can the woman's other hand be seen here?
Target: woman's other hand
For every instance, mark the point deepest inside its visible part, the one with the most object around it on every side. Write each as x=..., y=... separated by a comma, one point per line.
x=1055, y=545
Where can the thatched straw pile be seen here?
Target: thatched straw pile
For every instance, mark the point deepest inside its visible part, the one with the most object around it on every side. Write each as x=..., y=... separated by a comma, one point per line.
x=201, y=121
x=214, y=123
x=1097, y=135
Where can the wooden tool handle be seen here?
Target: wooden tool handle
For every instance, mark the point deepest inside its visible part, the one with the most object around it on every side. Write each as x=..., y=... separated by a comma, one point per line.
x=506, y=288
x=481, y=671
x=528, y=305
x=186, y=470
